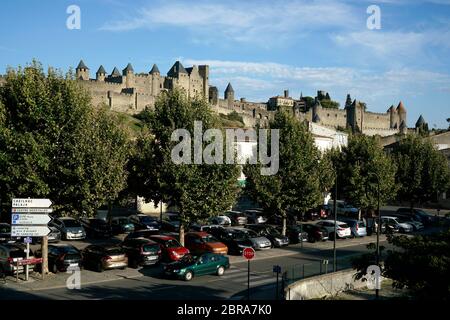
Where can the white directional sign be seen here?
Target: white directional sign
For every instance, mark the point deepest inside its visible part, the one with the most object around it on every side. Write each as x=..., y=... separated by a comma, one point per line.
x=31, y=210
x=29, y=219
x=31, y=203
x=29, y=231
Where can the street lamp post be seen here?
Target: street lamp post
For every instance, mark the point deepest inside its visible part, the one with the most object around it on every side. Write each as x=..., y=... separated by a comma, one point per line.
x=377, y=291
x=335, y=218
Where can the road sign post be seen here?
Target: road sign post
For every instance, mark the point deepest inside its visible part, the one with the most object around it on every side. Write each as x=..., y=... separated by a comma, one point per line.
x=248, y=254
x=29, y=218
x=277, y=270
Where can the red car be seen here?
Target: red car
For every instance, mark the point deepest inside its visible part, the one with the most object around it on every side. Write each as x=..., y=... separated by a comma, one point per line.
x=202, y=242
x=172, y=250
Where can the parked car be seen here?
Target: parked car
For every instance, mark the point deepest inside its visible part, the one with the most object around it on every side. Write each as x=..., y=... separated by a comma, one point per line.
x=62, y=257
x=53, y=237
x=103, y=257
x=142, y=252
x=342, y=229
x=259, y=242
x=196, y=227
x=270, y=233
x=221, y=220
x=357, y=227
x=190, y=266
x=10, y=253
x=255, y=216
x=201, y=242
x=424, y=217
x=315, y=232
x=343, y=208
x=396, y=225
x=96, y=228
x=169, y=226
x=294, y=233
x=171, y=249
x=325, y=211
x=141, y=234
x=311, y=215
x=237, y=218
x=5, y=234
x=278, y=220
x=143, y=222
x=417, y=225
x=235, y=239
x=70, y=228
x=120, y=225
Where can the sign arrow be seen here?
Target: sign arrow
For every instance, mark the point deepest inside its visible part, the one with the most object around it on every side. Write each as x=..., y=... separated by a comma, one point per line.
x=31, y=203
x=31, y=210
x=29, y=231
x=29, y=219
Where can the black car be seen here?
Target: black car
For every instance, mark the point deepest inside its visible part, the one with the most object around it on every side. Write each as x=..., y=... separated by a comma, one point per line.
x=145, y=222
x=5, y=234
x=233, y=238
x=141, y=252
x=62, y=257
x=96, y=228
x=294, y=233
x=315, y=233
x=421, y=215
x=141, y=234
x=277, y=239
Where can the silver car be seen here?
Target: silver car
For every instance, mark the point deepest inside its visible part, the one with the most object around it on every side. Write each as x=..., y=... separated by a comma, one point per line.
x=10, y=254
x=70, y=228
x=255, y=216
x=357, y=227
x=396, y=224
x=259, y=242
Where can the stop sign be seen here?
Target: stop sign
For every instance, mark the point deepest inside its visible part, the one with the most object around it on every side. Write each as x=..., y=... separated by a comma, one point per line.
x=248, y=253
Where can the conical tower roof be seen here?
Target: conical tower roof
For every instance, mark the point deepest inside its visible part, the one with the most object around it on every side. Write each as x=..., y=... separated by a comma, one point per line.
x=154, y=69
x=115, y=72
x=176, y=69
x=401, y=107
x=229, y=88
x=81, y=65
x=129, y=68
x=420, y=121
x=101, y=70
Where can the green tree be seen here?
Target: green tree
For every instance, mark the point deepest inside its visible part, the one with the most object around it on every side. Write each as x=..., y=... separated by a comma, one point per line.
x=418, y=263
x=53, y=144
x=296, y=185
x=422, y=170
x=330, y=104
x=361, y=167
x=197, y=190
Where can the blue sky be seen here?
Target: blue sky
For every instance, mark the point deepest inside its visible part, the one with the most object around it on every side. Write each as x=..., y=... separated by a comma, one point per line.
x=261, y=47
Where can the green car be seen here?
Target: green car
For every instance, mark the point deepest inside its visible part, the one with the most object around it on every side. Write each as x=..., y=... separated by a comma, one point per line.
x=189, y=265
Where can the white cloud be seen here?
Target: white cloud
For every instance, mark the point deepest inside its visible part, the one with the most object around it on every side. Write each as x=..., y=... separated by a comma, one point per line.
x=242, y=21
x=260, y=80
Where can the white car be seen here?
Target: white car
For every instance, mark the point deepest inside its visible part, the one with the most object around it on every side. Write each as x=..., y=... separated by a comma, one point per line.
x=342, y=229
x=221, y=220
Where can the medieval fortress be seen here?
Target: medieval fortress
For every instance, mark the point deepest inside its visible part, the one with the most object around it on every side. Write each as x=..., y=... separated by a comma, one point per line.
x=132, y=92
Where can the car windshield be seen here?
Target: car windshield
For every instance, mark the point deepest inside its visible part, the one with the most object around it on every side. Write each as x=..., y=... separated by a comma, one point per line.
x=71, y=223
x=209, y=239
x=251, y=233
x=343, y=225
x=17, y=254
x=147, y=220
x=123, y=221
x=150, y=248
x=237, y=235
x=172, y=243
x=69, y=250
x=361, y=224
x=114, y=251
x=4, y=228
x=187, y=259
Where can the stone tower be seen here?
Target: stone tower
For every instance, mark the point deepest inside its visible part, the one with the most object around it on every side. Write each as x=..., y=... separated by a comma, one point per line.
x=229, y=95
x=401, y=111
x=348, y=101
x=82, y=71
x=393, y=117
x=203, y=70
x=156, y=80
x=101, y=74
x=128, y=74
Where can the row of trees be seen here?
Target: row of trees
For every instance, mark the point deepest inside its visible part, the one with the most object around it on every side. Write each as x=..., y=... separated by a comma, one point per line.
x=54, y=144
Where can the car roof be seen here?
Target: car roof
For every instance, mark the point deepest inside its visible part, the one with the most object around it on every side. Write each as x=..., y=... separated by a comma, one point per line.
x=162, y=237
x=199, y=233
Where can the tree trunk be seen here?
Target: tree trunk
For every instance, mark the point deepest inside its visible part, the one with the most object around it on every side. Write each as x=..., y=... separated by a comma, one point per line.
x=283, y=231
x=182, y=233
x=44, y=250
